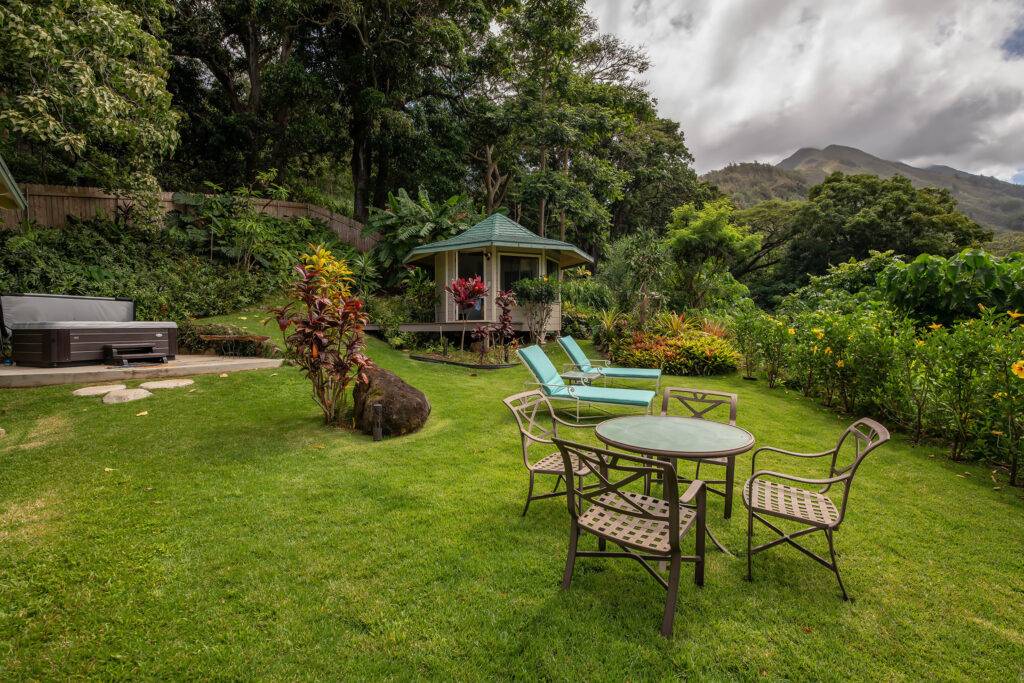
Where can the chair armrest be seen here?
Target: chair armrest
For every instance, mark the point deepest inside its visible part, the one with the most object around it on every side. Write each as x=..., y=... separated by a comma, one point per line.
x=599, y=361
x=691, y=491
x=791, y=477
x=773, y=449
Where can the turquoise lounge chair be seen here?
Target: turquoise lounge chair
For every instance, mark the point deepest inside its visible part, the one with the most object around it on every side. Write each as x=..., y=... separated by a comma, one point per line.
x=584, y=364
x=554, y=387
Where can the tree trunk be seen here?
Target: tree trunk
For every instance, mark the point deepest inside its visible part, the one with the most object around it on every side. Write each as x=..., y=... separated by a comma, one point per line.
x=542, y=209
x=360, y=176
x=380, y=186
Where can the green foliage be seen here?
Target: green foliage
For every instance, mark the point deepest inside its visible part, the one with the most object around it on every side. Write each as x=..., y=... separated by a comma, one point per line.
x=848, y=216
x=537, y=297
x=933, y=288
x=586, y=292
x=169, y=274
x=706, y=244
x=576, y=321
x=407, y=223
x=962, y=384
x=693, y=353
x=83, y=96
x=190, y=333
x=634, y=270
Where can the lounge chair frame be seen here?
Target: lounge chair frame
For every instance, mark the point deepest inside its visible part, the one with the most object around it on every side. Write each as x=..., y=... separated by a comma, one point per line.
x=598, y=365
x=802, y=505
x=550, y=390
x=645, y=529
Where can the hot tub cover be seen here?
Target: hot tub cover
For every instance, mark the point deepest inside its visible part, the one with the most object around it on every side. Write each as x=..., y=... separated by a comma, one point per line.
x=92, y=325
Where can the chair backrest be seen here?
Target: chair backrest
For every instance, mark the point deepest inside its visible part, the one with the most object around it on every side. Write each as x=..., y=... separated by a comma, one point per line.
x=615, y=471
x=575, y=353
x=699, y=402
x=543, y=370
x=535, y=417
x=866, y=435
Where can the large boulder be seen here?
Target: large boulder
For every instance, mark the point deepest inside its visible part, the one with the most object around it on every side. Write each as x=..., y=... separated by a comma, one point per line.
x=405, y=408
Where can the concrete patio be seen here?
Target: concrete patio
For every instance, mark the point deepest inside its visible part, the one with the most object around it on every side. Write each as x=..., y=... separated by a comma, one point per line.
x=13, y=376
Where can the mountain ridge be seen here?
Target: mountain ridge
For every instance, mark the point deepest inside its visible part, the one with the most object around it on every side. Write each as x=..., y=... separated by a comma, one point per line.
x=992, y=202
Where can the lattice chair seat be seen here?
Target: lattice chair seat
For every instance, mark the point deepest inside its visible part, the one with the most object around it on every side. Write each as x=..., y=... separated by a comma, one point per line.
x=635, y=532
x=552, y=464
x=790, y=502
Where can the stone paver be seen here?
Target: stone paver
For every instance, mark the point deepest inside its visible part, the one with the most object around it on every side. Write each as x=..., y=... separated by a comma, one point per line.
x=98, y=390
x=126, y=395
x=167, y=384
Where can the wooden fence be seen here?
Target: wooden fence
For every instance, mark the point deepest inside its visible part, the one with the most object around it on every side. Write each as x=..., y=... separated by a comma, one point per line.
x=52, y=205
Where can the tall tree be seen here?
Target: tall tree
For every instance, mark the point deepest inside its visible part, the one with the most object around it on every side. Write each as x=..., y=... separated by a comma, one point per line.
x=252, y=102
x=847, y=216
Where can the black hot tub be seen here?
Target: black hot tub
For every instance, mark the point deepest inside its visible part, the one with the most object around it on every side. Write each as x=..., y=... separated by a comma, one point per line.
x=48, y=330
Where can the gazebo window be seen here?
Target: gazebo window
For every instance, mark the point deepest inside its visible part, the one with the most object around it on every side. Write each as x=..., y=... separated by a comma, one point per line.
x=516, y=268
x=551, y=269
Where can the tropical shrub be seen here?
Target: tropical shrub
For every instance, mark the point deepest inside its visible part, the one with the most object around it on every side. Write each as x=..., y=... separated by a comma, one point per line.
x=327, y=341
x=693, y=353
x=747, y=333
x=537, y=297
x=169, y=276
x=406, y=223
x=190, y=335
x=937, y=289
x=466, y=293
x=576, y=321
x=584, y=291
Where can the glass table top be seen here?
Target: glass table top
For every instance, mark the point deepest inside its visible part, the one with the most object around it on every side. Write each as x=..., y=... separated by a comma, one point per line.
x=674, y=436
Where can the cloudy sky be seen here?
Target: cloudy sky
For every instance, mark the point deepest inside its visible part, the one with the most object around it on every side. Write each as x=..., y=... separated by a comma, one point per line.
x=921, y=81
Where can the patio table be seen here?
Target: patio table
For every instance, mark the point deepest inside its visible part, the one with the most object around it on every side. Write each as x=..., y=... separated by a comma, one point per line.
x=676, y=438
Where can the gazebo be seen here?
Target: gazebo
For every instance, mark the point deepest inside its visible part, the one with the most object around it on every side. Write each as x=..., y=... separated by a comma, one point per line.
x=501, y=252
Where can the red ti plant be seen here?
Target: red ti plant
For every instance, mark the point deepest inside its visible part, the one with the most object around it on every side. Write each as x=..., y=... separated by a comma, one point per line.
x=327, y=341
x=465, y=291
x=505, y=333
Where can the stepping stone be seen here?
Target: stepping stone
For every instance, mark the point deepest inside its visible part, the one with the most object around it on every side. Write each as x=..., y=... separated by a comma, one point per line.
x=126, y=395
x=98, y=390
x=167, y=384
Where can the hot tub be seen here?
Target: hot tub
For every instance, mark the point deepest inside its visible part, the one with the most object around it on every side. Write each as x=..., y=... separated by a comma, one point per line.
x=56, y=330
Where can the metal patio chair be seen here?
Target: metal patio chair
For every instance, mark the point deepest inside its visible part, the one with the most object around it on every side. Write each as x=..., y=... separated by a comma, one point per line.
x=645, y=529
x=764, y=497
x=698, y=403
x=533, y=413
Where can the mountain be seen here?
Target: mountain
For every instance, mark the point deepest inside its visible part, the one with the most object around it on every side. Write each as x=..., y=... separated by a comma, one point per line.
x=992, y=202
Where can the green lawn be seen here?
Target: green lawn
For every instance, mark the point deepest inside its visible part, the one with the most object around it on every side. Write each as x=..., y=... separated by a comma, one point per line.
x=227, y=534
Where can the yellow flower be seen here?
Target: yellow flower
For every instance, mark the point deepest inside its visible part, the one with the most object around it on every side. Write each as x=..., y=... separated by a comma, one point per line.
x=1018, y=368
x=919, y=342
x=818, y=332
x=1015, y=314
x=828, y=350
x=999, y=395
x=840, y=363
x=936, y=326
x=792, y=330
x=814, y=349
x=996, y=432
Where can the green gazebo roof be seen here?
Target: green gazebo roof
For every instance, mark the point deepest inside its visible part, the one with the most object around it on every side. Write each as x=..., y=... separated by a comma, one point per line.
x=499, y=230
x=10, y=195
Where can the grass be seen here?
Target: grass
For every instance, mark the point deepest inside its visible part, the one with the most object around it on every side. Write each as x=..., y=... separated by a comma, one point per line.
x=227, y=534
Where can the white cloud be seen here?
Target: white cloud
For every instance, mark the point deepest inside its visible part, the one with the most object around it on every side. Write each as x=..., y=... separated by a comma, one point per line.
x=922, y=81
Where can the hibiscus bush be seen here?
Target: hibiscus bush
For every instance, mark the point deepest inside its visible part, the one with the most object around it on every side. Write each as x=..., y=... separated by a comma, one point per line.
x=962, y=384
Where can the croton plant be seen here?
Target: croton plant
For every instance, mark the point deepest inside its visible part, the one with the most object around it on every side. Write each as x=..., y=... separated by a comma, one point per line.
x=327, y=325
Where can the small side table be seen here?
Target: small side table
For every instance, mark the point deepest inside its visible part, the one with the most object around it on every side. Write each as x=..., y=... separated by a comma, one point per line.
x=580, y=377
